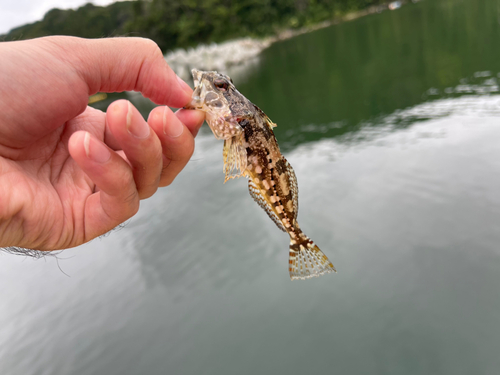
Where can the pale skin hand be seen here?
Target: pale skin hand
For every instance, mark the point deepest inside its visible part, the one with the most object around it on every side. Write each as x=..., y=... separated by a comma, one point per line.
x=70, y=173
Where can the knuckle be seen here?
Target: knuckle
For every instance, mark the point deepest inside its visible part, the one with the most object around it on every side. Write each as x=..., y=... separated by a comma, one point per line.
x=152, y=46
x=167, y=180
x=147, y=190
x=145, y=194
x=143, y=44
x=183, y=153
x=157, y=153
x=131, y=200
x=165, y=167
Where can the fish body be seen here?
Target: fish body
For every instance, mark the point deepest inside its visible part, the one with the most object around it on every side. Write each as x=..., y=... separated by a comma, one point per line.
x=251, y=150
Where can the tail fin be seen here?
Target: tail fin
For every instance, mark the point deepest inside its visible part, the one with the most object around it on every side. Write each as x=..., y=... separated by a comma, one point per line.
x=307, y=260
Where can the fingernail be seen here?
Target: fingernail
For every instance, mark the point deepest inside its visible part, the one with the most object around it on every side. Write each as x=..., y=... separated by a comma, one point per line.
x=95, y=150
x=136, y=125
x=174, y=128
x=184, y=86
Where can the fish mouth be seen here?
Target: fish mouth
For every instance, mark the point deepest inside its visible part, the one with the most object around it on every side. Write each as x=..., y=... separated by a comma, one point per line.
x=196, y=101
x=196, y=76
x=192, y=105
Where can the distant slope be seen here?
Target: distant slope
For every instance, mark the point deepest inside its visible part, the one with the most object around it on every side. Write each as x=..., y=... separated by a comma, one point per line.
x=183, y=23
x=88, y=21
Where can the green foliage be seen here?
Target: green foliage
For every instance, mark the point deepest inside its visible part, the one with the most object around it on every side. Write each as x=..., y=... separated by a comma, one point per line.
x=175, y=23
x=88, y=21
x=182, y=23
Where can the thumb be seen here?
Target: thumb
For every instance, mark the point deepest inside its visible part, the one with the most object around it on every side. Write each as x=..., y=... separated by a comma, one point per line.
x=127, y=64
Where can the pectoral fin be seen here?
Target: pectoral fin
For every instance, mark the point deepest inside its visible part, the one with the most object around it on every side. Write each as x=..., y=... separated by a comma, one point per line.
x=235, y=157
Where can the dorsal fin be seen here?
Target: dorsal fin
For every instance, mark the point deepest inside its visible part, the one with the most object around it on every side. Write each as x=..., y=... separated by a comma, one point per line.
x=267, y=120
x=270, y=123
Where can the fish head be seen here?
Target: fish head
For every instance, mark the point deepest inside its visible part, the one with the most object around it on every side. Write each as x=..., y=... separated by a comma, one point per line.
x=215, y=94
x=211, y=91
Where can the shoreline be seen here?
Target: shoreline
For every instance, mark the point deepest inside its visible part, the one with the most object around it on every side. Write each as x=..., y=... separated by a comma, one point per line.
x=235, y=56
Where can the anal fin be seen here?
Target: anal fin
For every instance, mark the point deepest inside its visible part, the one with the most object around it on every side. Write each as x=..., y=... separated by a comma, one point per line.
x=261, y=200
x=294, y=187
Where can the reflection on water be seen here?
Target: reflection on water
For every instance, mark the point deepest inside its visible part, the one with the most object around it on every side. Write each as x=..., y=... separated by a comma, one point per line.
x=377, y=65
x=455, y=101
x=198, y=283
x=392, y=124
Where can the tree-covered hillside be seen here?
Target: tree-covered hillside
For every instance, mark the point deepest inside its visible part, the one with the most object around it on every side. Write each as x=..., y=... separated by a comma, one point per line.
x=173, y=23
x=88, y=21
x=181, y=23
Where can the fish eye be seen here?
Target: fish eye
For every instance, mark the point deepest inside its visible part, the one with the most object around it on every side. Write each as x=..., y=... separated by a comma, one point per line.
x=221, y=84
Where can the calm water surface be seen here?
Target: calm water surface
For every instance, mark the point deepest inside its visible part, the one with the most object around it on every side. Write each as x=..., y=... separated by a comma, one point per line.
x=392, y=123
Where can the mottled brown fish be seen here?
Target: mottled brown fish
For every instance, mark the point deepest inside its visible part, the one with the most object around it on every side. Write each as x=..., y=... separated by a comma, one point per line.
x=251, y=150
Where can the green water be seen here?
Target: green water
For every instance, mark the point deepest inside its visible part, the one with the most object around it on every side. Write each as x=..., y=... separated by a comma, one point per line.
x=392, y=124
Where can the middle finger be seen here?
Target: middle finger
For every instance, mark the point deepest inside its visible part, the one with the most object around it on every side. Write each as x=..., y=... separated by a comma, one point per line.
x=139, y=143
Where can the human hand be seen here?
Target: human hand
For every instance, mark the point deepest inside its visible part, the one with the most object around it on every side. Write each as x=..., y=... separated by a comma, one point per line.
x=68, y=172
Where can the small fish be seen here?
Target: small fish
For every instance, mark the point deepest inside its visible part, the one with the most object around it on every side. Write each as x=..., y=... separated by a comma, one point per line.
x=251, y=150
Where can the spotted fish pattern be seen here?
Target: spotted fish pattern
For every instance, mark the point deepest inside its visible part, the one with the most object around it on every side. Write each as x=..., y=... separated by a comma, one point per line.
x=251, y=150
